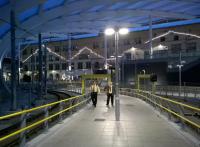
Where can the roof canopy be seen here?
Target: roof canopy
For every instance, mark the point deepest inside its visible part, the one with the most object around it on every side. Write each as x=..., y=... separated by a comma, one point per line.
x=57, y=18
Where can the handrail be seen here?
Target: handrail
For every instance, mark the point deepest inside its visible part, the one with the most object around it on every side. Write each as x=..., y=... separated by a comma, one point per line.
x=36, y=108
x=172, y=112
x=166, y=99
x=175, y=102
x=168, y=110
x=41, y=121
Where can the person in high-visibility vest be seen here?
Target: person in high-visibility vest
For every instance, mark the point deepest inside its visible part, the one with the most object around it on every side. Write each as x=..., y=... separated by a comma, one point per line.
x=110, y=93
x=94, y=92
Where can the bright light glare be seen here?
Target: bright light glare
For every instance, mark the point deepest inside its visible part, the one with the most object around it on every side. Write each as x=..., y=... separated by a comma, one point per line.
x=109, y=31
x=123, y=31
x=106, y=66
x=70, y=68
x=133, y=49
x=53, y=71
x=160, y=46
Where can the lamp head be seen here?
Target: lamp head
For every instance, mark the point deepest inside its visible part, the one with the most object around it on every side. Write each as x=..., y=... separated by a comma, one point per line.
x=123, y=31
x=109, y=31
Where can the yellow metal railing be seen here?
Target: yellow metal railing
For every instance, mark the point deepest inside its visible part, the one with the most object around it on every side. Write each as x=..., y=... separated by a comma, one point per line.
x=172, y=112
x=44, y=119
x=37, y=108
x=142, y=94
x=172, y=101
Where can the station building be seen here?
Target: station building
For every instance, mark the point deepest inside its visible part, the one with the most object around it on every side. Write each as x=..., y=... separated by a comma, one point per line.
x=89, y=53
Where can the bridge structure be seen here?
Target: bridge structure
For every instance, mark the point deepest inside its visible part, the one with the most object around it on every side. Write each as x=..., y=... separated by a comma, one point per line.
x=139, y=118
x=146, y=120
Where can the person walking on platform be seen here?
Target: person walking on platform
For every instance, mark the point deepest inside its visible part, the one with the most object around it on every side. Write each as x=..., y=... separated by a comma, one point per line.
x=94, y=92
x=110, y=93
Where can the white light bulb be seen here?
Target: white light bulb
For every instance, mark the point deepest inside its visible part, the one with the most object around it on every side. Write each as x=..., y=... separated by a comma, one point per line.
x=109, y=31
x=123, y=31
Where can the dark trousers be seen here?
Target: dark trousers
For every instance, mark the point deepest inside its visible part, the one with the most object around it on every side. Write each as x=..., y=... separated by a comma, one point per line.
x=110, y=96
x=94, y=98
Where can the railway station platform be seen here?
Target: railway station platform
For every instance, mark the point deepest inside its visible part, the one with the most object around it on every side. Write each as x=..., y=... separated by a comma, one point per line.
x=139, y=126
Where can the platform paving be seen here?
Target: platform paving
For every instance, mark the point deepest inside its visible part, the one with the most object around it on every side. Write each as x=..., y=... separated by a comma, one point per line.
x=140, y=126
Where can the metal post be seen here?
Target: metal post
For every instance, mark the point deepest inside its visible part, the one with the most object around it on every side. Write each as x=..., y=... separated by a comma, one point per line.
x=117, y=100
x=30, y=84
x=46, y=124
x=150, y=36
x=105, y=51
x=23, y=134
x=13, y=61
x=123, y=72
x=135, y=70
x=60, y=109
x=45, y=69
x=40, y=65
x=32, y=73
x=184, y=95
x=1, y=72
x=69, y=52
x=180, y=66
x=19, y=58
x=83, y=85
x=35, y=69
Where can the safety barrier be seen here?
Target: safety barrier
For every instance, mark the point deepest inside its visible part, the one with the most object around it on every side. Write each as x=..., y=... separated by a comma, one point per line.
x=63, y=106
x=186, y=114
x=173, y=91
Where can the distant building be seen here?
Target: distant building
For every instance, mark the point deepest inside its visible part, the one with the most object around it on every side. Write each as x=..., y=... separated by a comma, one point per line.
x=88, y=52
x=83, y=62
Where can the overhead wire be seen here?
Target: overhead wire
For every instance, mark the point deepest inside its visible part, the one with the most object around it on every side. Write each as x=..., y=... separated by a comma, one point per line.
x=18, y=27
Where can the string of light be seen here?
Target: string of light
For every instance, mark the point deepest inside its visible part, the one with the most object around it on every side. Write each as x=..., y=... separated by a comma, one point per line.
x=49, y=50
x=36, y=51
x=86, y=48
x=174, y=32
x=61, y=57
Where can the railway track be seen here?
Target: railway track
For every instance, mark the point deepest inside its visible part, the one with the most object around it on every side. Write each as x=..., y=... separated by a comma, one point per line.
x=31, y=118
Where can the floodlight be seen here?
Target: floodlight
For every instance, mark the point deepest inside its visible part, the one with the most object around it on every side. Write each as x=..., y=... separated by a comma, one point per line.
x=133, y=49
x=70, y=68
x=123, y=31
x=109, y=31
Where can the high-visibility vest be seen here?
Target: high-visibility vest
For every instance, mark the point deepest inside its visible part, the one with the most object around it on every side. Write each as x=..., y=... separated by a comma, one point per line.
x=110, y=89
x=95, y=88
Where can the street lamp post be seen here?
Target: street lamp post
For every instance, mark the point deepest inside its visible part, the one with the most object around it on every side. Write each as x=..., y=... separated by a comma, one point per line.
x=135, y=65
x=117, y=101
x=117, y=32
x=180, y=65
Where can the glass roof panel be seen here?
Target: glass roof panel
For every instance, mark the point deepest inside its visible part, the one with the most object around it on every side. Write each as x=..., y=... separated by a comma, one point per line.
x=138, y=4
x=4, y=29
x=28, y=13
x=50, y=4
x=118, y=5
x=156, y=5
x=171, y=6
x=3, y=2
x=96, y=8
